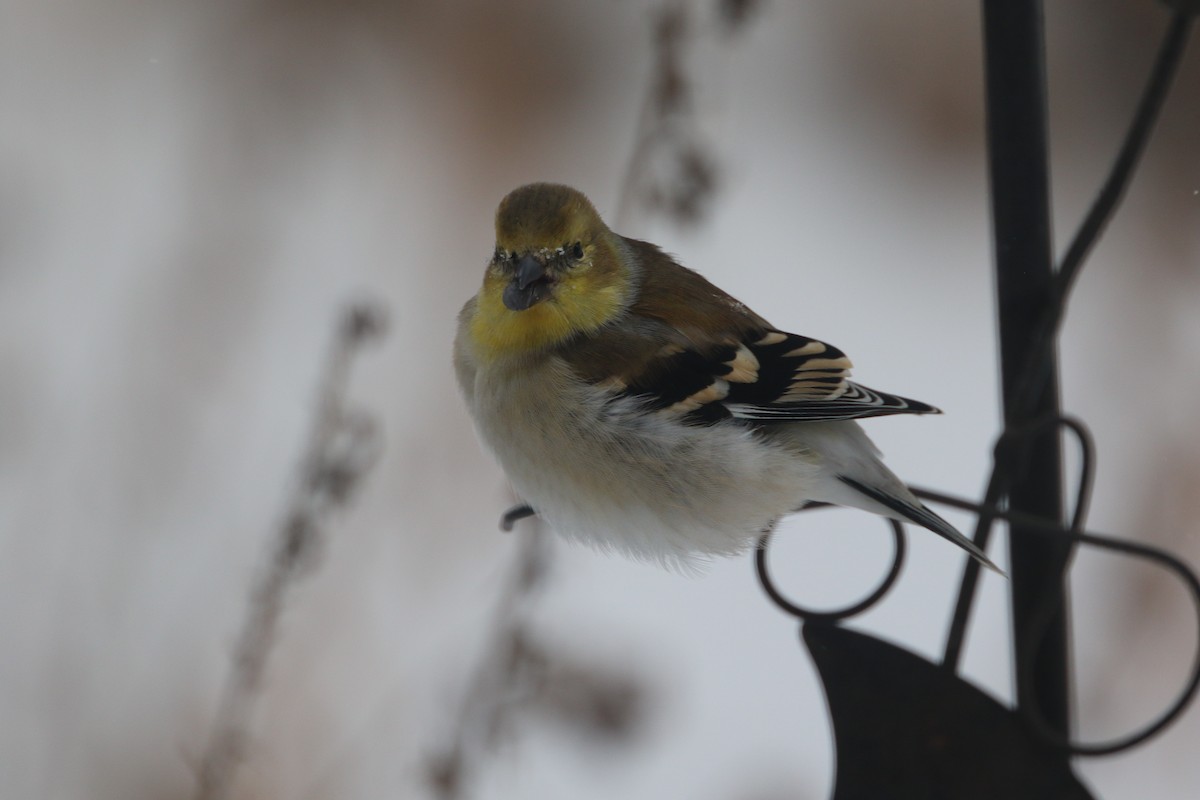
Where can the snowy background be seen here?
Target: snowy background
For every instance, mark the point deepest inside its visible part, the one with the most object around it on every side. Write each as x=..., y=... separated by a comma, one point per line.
x=190, y=193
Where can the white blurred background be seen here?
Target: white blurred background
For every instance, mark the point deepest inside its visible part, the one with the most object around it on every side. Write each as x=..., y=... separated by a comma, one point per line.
x=189, y=194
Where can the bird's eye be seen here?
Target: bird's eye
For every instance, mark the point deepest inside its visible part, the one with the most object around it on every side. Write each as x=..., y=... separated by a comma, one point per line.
x=577, y=251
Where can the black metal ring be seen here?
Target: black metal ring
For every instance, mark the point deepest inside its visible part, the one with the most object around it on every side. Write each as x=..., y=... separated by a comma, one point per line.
x=834, y=615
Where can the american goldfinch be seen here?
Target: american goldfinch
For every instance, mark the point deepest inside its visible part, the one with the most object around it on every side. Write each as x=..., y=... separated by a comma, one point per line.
x=639, y=408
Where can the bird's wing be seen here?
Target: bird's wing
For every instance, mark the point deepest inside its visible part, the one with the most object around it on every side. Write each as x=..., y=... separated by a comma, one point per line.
x=801, y=379
x=688, y=348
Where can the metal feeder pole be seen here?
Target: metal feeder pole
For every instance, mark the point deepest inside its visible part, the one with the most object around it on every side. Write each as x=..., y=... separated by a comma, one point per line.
x=1017, y=164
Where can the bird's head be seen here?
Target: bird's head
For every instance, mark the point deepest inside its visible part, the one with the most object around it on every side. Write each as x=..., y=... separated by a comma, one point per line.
x=557, y=271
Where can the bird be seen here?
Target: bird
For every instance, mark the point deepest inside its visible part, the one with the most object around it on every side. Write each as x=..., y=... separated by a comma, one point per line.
x=638, y=408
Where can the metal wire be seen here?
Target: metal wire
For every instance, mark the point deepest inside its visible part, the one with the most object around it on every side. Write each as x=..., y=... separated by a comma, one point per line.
x=1009, y=454
x=1166, y=560
x=1006, y=455
x=1007, y=460
x=990, y=512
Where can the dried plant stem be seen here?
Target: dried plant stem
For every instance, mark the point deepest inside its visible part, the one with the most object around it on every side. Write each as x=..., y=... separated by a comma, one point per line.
x=482, y=715
x=669, y=170
x=341, y=448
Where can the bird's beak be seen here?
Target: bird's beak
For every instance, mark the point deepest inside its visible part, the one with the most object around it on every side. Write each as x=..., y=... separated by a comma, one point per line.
x=530, y=284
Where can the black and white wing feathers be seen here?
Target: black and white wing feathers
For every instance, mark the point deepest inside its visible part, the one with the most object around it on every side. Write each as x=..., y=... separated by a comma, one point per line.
x=806, y=380
x=764, y=376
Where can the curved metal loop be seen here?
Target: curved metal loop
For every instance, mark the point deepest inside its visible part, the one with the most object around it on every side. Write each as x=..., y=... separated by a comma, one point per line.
x=1006, y=461
x=1021, y=435
x=833, y=615
x=1041, y=621
x=1087, y=454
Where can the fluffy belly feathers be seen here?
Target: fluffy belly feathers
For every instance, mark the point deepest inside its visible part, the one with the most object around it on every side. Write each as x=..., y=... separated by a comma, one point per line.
x=619, y=477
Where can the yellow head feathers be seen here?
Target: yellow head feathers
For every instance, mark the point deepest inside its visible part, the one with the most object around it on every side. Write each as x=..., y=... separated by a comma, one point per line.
x=558, y=272
x=545, y=216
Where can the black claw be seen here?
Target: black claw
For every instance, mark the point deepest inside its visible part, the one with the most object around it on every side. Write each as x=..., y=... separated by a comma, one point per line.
x=515, y=515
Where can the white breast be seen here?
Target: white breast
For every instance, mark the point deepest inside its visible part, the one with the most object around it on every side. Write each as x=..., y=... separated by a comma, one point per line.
x=618, y=477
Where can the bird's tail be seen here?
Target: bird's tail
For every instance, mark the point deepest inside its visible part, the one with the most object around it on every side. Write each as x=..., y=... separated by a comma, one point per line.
x=914, y=511
x=852, y=475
